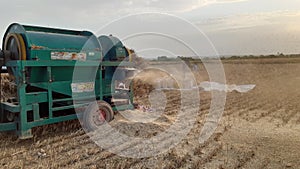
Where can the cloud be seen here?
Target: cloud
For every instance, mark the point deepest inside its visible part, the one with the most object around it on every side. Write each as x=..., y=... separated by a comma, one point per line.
x=185, y=5
x=247, y=21
x=84, y=14
x=210, y=2
x=255, y=33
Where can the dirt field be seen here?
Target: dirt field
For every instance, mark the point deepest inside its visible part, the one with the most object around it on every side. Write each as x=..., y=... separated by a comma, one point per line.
x=259, y=129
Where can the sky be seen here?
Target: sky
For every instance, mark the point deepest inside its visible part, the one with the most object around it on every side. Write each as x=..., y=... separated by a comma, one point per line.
x=234, y=27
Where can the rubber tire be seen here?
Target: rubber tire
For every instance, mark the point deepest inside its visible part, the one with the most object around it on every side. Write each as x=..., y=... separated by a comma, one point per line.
x=88, y=121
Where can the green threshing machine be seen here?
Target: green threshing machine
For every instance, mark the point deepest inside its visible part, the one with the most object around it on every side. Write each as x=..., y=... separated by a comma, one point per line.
x=59, y=71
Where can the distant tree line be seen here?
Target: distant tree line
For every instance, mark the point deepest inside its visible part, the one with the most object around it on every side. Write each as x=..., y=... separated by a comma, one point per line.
x=185, y=58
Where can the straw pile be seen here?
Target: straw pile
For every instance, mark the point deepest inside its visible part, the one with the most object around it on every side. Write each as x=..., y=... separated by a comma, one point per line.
x=8, y=87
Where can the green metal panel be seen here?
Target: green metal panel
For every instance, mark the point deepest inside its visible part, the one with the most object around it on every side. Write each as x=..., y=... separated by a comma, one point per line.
x=54, y=40
x=107, y=87
x=112, y=48
x=55, y=30
x=36, y=97
x=59, y=41
x=51, y=121
x=8, y=126
x=14, y=108
x=123, y=107
x=36, y=111
x=10, y=107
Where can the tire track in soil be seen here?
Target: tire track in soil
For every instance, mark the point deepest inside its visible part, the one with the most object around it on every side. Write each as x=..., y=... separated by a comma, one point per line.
x=283, y=110
x=93, y=158
x=244, y=159
x=58, y=140
x=61, y=148
x=278, y=116
x=230, y=105
x=236, y=104
x=257, y=163
x=270, y=109
x=250, y=112
x=185, y=161
x=121, y=163
x=206, y=154
x=82, y=158
x=23, y=146
x=250, y=106
x=290, y=114
x=67, y=152
x=62, y=142
x=297, y=118
x=99, y=159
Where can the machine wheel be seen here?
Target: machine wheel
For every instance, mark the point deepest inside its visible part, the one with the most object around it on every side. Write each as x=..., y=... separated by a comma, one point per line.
x=16, y=45
x=96, y=114
x=10, y=116
x=7, y=117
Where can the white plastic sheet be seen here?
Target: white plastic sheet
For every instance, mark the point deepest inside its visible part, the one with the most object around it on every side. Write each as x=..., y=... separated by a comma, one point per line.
x=210, y=86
